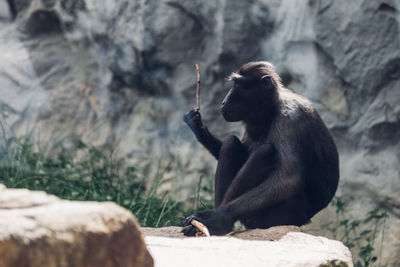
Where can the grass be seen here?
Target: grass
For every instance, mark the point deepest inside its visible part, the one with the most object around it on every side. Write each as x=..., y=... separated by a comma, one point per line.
x=86, y=173
x=354, y=234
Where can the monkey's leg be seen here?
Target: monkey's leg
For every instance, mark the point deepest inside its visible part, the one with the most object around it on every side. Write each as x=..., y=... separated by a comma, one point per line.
x=282, y=185
x=254, y=171
x=232, y=155
x=231, y=158
x=289, y=212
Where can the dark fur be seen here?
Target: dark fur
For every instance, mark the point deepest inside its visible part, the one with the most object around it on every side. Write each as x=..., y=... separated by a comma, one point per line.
x=285, y=168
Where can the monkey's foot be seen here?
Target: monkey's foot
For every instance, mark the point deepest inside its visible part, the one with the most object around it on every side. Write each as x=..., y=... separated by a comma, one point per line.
x=217, y=222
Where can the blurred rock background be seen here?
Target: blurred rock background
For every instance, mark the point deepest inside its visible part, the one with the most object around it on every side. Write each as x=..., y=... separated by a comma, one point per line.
x=121, y=73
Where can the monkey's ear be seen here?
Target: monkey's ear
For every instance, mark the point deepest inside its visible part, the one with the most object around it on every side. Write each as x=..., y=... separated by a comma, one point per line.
x=268, y=82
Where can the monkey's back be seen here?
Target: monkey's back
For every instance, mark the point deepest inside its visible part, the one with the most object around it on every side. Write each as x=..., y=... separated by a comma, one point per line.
x=313, y=146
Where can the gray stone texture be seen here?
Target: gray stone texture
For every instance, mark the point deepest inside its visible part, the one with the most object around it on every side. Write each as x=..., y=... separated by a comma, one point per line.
x=37, y=229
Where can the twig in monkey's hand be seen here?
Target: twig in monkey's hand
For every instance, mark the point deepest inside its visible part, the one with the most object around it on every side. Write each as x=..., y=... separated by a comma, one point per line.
x=201, y=227
x=198, y=88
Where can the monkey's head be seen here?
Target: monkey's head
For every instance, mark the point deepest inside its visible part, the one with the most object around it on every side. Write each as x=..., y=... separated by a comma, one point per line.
x=254, y=91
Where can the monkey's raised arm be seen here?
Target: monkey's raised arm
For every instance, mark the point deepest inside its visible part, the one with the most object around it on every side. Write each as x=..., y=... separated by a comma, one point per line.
x=209, y=141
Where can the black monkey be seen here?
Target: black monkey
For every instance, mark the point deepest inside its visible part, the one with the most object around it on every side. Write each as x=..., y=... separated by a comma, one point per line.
x=284, y=169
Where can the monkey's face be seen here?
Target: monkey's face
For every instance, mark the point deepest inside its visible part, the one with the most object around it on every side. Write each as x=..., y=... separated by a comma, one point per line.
x=248, y=97
x=243, y=99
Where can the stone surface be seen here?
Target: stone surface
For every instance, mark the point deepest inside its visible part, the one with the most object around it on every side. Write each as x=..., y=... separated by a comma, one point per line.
x=5, y=13
x=271, y=234
x=293, y=249
x=37, y=229
x=122, y=72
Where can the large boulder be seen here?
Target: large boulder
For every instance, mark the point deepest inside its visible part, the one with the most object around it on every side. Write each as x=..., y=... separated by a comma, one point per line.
x=37, y=229
x=281, y=246
x=122, y=72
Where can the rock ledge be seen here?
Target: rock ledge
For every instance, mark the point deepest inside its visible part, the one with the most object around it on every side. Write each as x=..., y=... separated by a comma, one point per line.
x=37, y=229
x=292, y=249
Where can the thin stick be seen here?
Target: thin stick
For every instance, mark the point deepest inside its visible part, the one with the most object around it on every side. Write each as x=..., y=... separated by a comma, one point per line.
x=201, y=227
x=198, y=87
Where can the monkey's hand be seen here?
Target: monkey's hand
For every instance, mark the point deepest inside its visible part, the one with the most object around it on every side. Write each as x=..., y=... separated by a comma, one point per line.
x=193, y=120
x=218, y=222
